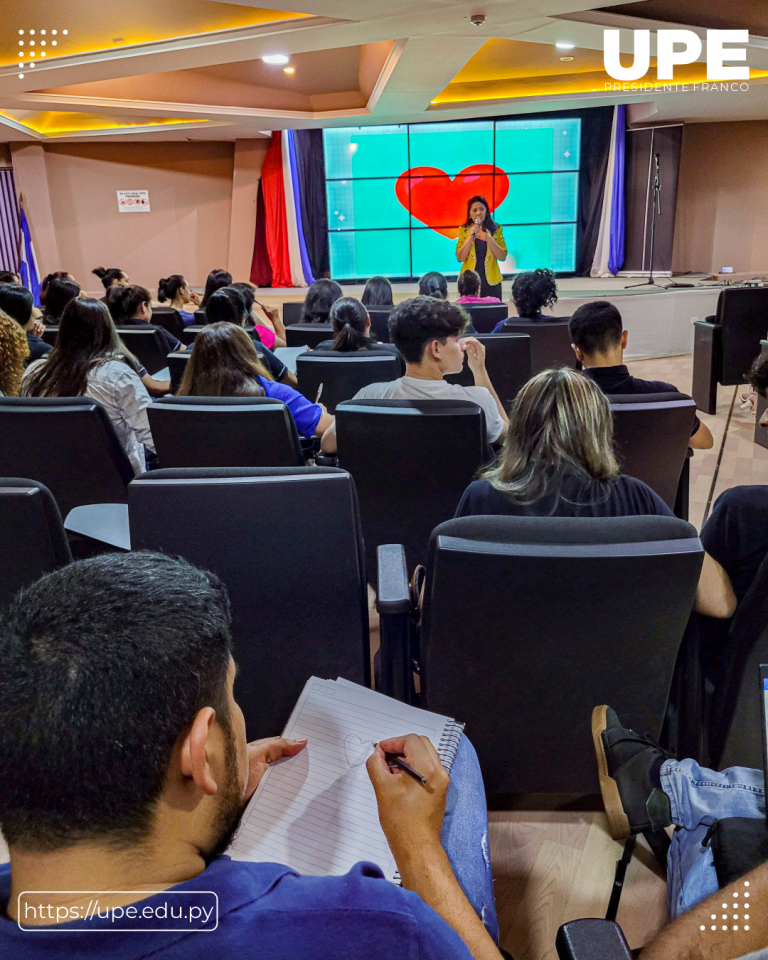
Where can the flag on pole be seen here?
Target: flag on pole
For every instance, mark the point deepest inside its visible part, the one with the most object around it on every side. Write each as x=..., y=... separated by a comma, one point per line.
x=30, y=275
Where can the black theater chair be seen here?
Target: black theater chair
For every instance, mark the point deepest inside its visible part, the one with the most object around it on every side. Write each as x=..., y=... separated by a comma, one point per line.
x=287, y=545
x=411, y=462
x=169, y=319
x=189, y=333
x=651, y=435
x=508, y=362
x=147, y=344
x=50, y=334
x=292, y=310
x=380, y=322
x=200, y=317
x=34, y=541
x=177, y=364
x=332, y=378
x=528, y=623
x=224, y=432
x=307, y=334
x=550, y=343
x=485, y=316
x=70, y=445
x=724, y=347
x=761, y=433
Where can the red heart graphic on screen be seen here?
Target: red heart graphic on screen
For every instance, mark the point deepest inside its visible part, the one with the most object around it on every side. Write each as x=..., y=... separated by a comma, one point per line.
x=441, y=202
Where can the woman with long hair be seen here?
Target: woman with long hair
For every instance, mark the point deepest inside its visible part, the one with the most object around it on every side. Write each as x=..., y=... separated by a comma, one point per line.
x=59, y=292
x=352, y=331
x=216, y=280
x=176, y=289
x=132, y=306
x=14, y=351
x=270, y=328
x=558, y=459
x=320, y=297
x=433, y=284
x=481, y=246
x=377, y=293
x=90, y=359
x=45, y=282
x=224, y=363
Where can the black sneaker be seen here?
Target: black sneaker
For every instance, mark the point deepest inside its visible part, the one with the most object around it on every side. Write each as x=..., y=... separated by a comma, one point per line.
x=633, y=802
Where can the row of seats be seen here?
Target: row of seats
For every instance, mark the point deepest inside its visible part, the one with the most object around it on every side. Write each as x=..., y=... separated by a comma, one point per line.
x=513, y=656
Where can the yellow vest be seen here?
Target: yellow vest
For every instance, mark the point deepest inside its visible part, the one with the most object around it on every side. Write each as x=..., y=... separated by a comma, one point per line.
x=492, y=272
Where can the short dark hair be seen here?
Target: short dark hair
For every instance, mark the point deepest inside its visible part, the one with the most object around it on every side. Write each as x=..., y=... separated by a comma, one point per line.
x=416, y=322
x=17, y=302
x=757, y=377
x=595, y=327
x=106, y=663
x=469, y=283
x=8, y=276
x=226, y=305
x=320, y=297
x=533, y=290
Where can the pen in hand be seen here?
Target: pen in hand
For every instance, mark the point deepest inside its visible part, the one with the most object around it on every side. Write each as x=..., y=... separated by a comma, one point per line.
x=396, y=761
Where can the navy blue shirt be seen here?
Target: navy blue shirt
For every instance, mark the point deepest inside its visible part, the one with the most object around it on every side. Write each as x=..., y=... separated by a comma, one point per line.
x=37, y=348
x=265, y=911
x=736, y=534
x=499, y=328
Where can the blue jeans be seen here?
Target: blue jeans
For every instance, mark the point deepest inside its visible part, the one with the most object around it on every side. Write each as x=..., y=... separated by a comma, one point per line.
x=465, y=835
x=698, y=797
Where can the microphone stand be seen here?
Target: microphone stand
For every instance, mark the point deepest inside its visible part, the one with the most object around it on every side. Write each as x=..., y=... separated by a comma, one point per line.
x=650, y=282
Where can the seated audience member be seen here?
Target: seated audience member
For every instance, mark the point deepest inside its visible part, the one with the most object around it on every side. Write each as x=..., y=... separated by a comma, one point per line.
x=227, y=305
x=131, y=306
x=352, y=330
x=270, y=329
x=427, y=332
x=469, y=289
x=644, y=788
x=111, y=277
x=138, y=774
x=599, y=340
x=8, y=276
x=216, y=280
x=89, y=359
x=56, y=275
x=60, y=291
x=14, y=351
x=224, y=363
x=433, y=284
x=531, y=292
x=558, y=459
x=377, y=293
x=320, y=297
x=176, y=289
x=17, y=302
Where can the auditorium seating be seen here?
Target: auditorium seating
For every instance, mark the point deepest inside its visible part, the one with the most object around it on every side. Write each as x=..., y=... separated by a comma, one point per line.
x=147, y=343
x=761, y=433
x=651, y=436
x=200, y=317
x=189, y=333
x=550, y=342
x=224, y=432
x=380, y=322
x=592, y=939
x=529, y=622
x=508, y=362
x=70, y=445
x=485, y=316
x=292, y=310
x=330, y=379
x=411, y=461
x=33, y=541
x=307, y=334
x=724, y=347
x=170, y=319
x=287, y=545
x=177, y=364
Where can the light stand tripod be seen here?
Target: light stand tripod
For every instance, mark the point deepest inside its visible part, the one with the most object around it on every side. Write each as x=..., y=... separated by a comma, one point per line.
x=650, y=282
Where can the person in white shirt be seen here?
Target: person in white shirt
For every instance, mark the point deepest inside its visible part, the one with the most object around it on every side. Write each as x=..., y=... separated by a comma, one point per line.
x=89, y=359
x=427, y=332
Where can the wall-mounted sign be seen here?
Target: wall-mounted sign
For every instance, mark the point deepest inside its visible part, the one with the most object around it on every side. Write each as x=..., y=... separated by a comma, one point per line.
x=133, y=201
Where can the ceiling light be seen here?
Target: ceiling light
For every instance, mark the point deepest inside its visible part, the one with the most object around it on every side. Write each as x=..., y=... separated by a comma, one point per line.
x=566, y=59
x=65, y=32
x=21, y=33
x=563, y=45
x=278, y=59
x=43, y=32
x=21, y=76
x=53, y=43
x=53, y=32
x=289, y=69
x=32, y=32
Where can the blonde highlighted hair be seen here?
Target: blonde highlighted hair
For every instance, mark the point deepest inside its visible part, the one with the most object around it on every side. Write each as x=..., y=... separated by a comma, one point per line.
x=14, y=350
x=560, y=425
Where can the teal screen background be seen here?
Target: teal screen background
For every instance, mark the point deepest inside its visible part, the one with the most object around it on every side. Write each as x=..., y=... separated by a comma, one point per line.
x=371, y=232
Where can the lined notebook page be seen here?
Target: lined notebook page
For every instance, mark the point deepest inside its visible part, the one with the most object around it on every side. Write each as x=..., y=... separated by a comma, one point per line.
x=317, y=812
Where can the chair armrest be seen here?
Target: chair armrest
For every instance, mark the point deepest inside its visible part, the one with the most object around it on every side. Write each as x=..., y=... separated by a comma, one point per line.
x=393, y=602
x=326, y=460
x=592, y=940
x=707, y=362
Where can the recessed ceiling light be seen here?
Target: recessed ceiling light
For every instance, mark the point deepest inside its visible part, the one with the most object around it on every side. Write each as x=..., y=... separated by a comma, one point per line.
x=563, y=45
x=21, y=76
x=566, y=59
x=278, y=59
x=289, y=69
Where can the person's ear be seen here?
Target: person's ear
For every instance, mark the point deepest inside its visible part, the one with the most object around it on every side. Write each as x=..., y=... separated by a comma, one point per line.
x=367, y=325
x=433, y=348
x=579, y=354
x=624, y=340
x=194, y=751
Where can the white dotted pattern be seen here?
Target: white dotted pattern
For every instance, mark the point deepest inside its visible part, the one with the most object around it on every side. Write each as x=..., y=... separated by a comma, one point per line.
x=735, y=916
x=31, y=53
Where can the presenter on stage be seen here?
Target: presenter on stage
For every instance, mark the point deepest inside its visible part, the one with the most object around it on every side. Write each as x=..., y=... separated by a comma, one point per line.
x=480, y=247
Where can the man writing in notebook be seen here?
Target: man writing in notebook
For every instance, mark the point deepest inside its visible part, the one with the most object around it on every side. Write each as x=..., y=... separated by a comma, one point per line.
x=125, y=770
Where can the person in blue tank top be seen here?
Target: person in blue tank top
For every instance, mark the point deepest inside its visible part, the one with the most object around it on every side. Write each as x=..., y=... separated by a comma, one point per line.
x=176, y=289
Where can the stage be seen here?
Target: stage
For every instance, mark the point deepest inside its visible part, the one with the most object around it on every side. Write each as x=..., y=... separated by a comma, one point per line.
x=659, y=322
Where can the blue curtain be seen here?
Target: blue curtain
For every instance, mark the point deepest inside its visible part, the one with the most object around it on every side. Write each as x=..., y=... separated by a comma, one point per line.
x=310, y=166
x=618, y=213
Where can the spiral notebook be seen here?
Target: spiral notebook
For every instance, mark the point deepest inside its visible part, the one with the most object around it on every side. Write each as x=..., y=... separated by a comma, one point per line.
x=317, y=812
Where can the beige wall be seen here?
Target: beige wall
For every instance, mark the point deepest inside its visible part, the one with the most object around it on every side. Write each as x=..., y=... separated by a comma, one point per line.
x=722, y=203
x=186, y=231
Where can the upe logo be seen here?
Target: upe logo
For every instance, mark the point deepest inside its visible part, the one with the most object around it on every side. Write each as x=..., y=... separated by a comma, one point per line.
x=668, y=57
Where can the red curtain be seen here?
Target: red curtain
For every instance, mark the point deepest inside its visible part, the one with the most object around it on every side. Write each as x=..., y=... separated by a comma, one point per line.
x=261, y=268
x=276, y=226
